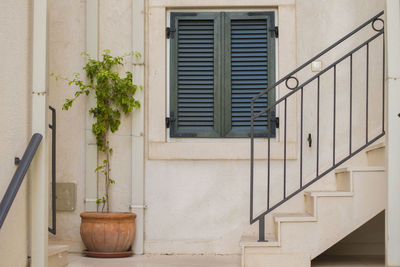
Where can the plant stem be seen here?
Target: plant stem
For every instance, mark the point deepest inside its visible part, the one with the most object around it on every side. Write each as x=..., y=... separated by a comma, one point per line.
x=107, y=170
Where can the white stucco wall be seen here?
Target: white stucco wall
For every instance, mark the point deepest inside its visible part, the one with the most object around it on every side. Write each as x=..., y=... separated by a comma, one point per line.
x=66, y=40
x=196, y=191
x=15, y=81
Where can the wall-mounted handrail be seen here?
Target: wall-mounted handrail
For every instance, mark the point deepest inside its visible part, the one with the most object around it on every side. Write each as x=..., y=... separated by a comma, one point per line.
x=18, y=177
x=297, y=91
x=52, y=126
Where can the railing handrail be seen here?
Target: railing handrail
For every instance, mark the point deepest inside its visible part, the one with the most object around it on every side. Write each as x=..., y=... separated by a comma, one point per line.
x=18, y=177
x=336, y=62
x=317, y=56
x=52, y=126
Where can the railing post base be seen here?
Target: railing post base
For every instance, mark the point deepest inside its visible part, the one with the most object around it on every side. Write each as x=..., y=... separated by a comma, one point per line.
x=261, y=230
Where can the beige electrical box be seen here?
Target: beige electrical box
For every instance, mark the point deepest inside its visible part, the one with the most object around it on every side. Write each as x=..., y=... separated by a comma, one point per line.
x=65, y=196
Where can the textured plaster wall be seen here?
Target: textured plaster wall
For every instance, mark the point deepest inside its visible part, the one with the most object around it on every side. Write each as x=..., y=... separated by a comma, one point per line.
x=115, y=34
x=66, y=40
x=15, y=43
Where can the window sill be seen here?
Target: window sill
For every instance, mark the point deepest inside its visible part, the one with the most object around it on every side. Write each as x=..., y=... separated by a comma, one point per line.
x=217, y=149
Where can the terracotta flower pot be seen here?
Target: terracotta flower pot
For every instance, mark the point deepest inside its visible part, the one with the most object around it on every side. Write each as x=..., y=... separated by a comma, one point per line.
x=108, y=233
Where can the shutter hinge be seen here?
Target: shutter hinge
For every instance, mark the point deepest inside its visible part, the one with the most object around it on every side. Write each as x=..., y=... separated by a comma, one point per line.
x=169, y=121
x=169, y=31
x=274, y=31
x=276, y=122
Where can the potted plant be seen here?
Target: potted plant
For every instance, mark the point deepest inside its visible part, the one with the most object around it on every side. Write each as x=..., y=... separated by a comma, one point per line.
x=105, y=233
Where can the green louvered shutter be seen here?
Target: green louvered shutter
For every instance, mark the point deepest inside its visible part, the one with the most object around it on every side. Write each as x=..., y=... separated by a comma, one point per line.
x=194, y=72
x=251, y=69
x=218, y=62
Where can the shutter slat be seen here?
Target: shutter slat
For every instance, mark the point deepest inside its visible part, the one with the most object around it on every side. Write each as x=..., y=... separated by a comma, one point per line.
x=246, y=27
x=199, y=68
x=189, y=110
x=195, y=73
x=249, y=86
x=249, y=71
x=198, y=27
x=193, y=59
x=249, y=68
x=198, y=77
x=245, y=64
x=196, y=64
x=198, y=42
x=197, y=105
x=249, y=50
x=243, y=41
x=248, y=23
x=247, y=45
x=196, y=50
x=199, y=102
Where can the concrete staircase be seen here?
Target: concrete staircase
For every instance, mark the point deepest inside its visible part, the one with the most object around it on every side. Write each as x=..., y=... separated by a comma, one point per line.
x=328, y=217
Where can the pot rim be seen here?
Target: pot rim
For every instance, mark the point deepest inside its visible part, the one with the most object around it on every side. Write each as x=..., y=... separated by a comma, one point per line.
x=108, y=215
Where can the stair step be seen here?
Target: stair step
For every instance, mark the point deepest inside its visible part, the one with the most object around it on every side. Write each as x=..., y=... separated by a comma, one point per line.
x=252, y=241
x=55, y=249
x=361, y=169
x=57, y=255
x=376, y=145
x=329, y=193
x=294, y=217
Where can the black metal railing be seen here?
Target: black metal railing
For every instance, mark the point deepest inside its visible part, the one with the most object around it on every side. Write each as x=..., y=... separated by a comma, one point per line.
x=18, y=177
x=297, y=91
x=52, y=126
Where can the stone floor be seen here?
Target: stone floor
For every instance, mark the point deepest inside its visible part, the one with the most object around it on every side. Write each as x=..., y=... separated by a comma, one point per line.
x=76, y=260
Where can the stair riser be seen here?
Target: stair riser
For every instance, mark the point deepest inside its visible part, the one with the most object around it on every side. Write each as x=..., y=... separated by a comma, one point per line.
x=343, y=182
x=376, y=157
x=254, y=258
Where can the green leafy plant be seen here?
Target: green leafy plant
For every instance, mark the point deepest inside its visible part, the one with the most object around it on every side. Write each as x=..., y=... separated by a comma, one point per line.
x=114, y=95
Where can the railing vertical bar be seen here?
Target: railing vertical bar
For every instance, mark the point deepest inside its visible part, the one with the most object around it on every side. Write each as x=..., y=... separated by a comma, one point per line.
x=269, y=157
x=251, y=159
x=383, y=84
x=284, y=151
x=334, y=116
x=301, y=139
x=318, y=98
x=366, y=99
x=351, y=100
